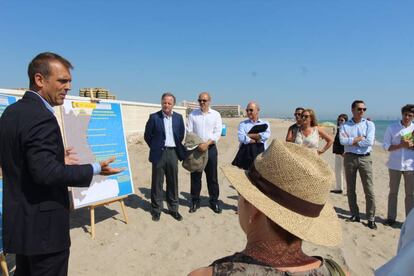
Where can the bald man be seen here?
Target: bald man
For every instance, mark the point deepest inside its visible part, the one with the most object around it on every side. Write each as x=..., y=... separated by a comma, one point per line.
x=207, y=124
x=251, y=144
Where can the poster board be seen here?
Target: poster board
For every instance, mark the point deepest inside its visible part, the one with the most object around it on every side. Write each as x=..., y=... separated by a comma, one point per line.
x=96, y=132
x=5, y=100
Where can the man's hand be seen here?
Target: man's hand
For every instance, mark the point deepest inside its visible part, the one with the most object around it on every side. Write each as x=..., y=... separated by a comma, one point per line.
x=406, y=143
x=70, y=157
x=106, y=169
x=203, y=147
x=358, y=139
x=254, y=136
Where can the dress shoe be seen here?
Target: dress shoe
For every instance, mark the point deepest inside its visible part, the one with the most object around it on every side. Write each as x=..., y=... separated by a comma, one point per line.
x=353, y=219
x=372, y=225
x=156, y=216
x=194, y=206
x=336, y=191
x=215, y=207
x=176, y=215
x=389, y=222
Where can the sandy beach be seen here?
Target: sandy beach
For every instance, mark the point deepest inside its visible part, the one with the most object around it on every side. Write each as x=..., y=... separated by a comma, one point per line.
x=168, y=247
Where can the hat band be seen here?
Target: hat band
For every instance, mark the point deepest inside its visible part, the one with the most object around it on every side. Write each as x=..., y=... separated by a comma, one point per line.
x=282, y=197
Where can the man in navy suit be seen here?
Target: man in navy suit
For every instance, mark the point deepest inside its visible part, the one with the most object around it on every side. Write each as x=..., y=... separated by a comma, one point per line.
x=37, y=171
x=164, y=133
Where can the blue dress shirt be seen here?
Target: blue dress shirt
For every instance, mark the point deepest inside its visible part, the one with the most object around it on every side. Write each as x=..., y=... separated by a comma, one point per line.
x=246, y=125
x=351, y=130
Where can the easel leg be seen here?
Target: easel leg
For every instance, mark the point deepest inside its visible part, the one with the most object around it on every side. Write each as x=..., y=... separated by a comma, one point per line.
x=92, y=222
x=3, y=263
x=123, y=210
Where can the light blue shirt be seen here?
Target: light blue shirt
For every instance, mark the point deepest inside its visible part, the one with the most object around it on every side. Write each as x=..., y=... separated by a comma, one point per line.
x=351, y=130
x=169, y=135
x=246, y=125
x=95, y=166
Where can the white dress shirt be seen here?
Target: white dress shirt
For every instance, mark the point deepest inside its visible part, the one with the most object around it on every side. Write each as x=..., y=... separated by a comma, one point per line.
x=169, y=134
x=206, y=125
x=400, y=159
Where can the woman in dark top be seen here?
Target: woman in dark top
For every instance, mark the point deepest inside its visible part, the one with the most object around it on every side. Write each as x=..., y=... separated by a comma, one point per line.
x=277, y=214
x=338, y=150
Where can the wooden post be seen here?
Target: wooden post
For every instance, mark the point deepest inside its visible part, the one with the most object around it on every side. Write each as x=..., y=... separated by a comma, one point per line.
x=3, y=263
x=92, y=209
x=93, y=222
x=123, y=210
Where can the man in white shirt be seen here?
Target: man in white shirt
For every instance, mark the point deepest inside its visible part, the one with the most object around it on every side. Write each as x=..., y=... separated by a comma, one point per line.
x=207, y=124
x=398, y=140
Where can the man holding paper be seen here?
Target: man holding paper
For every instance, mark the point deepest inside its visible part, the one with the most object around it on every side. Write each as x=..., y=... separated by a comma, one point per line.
x=252, y=134
x=398, y=140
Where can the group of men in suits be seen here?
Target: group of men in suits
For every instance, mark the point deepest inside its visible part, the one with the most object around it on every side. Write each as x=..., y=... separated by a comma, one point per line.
x=37, y=170
x=164, y=133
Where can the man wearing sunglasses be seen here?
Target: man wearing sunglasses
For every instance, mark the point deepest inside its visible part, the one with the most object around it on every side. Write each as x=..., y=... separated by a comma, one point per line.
x=293, y=129
x=358, y=135
x=207, y=124
x=252, y=134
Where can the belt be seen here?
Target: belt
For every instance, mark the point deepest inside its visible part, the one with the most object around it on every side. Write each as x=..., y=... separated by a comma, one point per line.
x=168, y=148
x=211, y=146
x=360, y=155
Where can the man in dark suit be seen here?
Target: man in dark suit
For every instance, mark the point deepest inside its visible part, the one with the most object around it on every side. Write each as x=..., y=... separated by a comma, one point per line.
x=37, y=171
x=164, y=133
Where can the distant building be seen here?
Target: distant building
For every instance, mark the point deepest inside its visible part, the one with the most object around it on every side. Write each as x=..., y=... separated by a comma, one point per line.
x=226, y=110
x=100, y=93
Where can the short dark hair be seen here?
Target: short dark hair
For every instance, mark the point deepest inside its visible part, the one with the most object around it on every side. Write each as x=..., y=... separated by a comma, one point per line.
x=168, y=94
x=299, y=108
x=41, y=64
x=407, y=108
x=354, y=104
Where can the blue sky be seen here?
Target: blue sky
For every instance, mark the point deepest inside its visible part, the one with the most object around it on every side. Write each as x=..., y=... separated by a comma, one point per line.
x=283, y=54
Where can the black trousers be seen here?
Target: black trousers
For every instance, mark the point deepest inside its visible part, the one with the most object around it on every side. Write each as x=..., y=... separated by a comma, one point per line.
x=211, y=175
x=54, y=264
x=168, y=167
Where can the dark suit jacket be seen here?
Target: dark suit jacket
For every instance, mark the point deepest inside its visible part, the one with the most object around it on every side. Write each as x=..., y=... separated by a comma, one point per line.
x=35, y=194
x=155, y=135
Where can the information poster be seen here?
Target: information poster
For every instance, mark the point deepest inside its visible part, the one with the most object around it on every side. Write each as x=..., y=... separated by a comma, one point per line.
x=95, y=131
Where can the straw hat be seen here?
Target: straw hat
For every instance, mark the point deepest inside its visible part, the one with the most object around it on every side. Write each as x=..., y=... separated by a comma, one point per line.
x=290, y=184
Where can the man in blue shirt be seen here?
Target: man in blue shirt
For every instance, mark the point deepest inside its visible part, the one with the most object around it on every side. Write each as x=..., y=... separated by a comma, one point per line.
x=358, y=135
x=252, y=143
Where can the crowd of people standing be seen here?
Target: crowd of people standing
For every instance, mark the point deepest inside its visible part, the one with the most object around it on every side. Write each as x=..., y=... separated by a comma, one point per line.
x=275, y=212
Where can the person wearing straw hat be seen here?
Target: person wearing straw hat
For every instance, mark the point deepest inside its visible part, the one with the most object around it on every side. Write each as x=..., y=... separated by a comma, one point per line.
x=278, y=211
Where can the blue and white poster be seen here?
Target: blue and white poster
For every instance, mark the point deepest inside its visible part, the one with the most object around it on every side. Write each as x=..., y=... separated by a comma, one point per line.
x=96, y=132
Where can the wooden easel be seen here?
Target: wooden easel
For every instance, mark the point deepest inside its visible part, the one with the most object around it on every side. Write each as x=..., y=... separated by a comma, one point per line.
x=92, y=209
x=3, y=263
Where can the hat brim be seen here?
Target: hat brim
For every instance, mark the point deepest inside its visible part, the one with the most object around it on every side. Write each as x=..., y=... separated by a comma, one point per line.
x=323, y=230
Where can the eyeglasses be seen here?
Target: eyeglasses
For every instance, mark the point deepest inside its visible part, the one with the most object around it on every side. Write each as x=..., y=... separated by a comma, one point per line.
x=297, y=114
x=305, y=116
x=202, y=101
x=362, y=109
x=249, y=110
x=341, y=120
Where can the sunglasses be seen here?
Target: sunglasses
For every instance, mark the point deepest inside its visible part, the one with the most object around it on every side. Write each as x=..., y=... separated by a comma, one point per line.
x=249, y=110
x=202, y=101
x=305, y=116
x=297, y=114
x=362, y=109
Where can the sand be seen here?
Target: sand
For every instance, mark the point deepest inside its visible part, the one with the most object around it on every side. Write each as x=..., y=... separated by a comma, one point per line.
x=169, y=247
